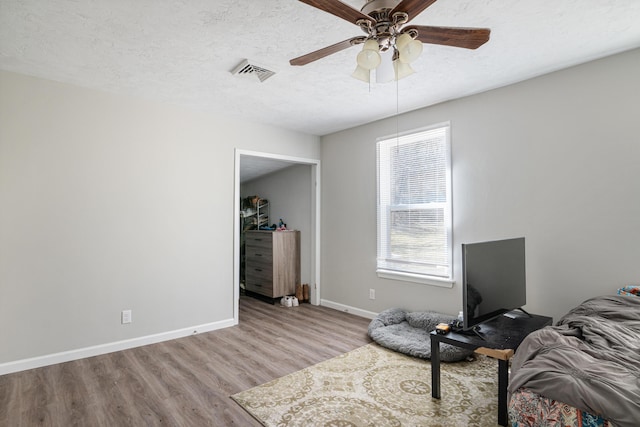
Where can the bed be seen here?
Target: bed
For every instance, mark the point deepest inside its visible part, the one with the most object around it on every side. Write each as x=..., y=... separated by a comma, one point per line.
x=584, y=371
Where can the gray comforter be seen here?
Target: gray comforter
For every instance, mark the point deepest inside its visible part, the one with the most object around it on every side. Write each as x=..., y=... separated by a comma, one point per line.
x=589, y=360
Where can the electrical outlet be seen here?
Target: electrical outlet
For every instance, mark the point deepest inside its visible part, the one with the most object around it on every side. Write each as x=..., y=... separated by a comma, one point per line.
x=126, y=316
x=372, y=294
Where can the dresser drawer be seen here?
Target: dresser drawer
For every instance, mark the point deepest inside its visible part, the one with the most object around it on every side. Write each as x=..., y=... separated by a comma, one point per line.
x=257, y=239
x=261, y=267
x=259, y=283
x=254, y=254
x=261, y=271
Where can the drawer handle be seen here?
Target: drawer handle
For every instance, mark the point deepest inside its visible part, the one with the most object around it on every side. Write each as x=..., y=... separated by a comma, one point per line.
x=258, y=254
x=258, y=269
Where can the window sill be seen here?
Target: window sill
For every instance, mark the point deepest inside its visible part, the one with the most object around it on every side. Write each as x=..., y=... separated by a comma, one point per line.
x=416, y=278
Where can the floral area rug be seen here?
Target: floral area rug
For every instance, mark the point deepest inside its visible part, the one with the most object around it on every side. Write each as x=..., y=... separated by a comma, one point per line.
x=373, y=386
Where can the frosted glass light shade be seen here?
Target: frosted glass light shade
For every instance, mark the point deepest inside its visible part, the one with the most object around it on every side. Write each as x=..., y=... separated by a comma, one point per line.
x=369, y=58
x=371, y=45
x=408, y=48
x=402, y=69
x=403, y=40
x=362, y=74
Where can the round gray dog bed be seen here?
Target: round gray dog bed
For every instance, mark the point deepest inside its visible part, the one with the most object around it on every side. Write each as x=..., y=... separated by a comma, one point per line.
x=408, y=333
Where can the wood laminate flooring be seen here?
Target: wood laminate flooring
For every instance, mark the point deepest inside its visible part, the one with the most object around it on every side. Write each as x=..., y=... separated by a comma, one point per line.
x=182, y=382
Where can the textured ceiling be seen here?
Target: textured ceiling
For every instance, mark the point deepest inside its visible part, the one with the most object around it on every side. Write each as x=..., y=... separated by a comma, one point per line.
x=182, y=52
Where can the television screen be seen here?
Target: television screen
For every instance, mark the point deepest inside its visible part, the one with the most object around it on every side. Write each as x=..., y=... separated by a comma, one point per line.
x=493, y=279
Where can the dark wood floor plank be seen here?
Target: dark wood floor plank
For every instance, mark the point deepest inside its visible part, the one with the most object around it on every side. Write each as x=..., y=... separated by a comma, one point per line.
x=75, y=402
x=114, y=406
x=42, y=398
x=10, y=396
x=182, y=382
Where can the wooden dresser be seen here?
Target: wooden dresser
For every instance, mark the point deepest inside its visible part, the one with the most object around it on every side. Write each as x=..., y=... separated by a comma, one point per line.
x=272, y=262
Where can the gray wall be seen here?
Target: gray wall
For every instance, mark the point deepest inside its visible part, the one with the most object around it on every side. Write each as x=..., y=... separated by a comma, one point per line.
x=554, y=159
x=289, y=192
x=110, y=203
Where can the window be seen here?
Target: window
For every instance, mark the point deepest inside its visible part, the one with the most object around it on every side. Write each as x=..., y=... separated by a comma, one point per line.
x=414, y=206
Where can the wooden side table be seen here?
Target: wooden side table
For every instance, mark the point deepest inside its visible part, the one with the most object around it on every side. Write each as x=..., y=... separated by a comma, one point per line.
x=500, y=337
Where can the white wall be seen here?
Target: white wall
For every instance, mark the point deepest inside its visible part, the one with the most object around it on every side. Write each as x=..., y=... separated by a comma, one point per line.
x=555, y=159
x=289, y=192
x=110, y=203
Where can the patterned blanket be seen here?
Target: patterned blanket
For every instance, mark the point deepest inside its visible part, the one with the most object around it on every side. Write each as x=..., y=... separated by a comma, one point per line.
x=528, y=409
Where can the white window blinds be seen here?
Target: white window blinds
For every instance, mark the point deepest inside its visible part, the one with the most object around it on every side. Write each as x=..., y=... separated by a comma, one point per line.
x=414, y=204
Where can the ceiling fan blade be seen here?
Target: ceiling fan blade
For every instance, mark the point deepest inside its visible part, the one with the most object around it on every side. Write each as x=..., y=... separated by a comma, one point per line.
x=412, y=7
x=468, y=38
x=339, y=9
x=326, y=51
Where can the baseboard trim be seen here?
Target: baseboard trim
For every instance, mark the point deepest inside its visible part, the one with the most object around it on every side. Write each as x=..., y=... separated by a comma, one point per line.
x=348, y=309
x=81, y=353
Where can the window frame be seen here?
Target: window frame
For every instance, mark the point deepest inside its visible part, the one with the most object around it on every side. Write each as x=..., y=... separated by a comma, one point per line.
x=383, y=230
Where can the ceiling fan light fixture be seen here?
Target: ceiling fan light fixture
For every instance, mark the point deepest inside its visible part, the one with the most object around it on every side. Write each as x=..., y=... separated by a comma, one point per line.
x=402, y=69
x=408, y=48
x=402, y=40
x=383, y=22
x=362, y=74
x=369, y=58
x=371, y=44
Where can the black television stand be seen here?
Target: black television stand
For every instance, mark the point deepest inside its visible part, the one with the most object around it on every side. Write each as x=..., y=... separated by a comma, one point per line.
x=476, y=330
x=513, y=315
x=499, y=339
x=472, y=330
x=457, y=326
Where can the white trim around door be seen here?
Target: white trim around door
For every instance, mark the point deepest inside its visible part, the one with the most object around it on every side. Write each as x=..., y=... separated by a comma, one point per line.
x=315, y=222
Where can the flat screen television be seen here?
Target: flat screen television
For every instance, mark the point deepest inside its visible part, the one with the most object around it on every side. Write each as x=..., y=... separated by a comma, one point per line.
x=493, y=279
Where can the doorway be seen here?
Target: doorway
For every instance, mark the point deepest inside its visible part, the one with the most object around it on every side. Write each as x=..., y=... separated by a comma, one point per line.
x=251, y=165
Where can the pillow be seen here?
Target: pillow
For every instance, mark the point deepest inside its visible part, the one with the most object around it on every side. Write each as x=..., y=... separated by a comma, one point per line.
x=629, y=290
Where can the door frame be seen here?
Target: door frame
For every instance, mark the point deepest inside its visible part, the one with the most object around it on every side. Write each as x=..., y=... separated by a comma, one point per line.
x=314, y=187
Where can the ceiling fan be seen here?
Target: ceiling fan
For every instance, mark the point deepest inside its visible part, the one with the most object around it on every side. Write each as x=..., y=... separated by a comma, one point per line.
x=384, y=24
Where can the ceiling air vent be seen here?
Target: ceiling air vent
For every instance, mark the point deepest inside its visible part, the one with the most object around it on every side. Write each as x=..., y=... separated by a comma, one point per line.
x=247, y=69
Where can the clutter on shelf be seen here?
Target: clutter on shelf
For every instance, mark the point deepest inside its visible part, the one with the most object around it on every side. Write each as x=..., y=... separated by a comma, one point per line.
x=254, y=213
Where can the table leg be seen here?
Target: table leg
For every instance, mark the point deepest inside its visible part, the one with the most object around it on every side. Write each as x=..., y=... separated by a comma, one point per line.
x=503, y=381
x=435, y=367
